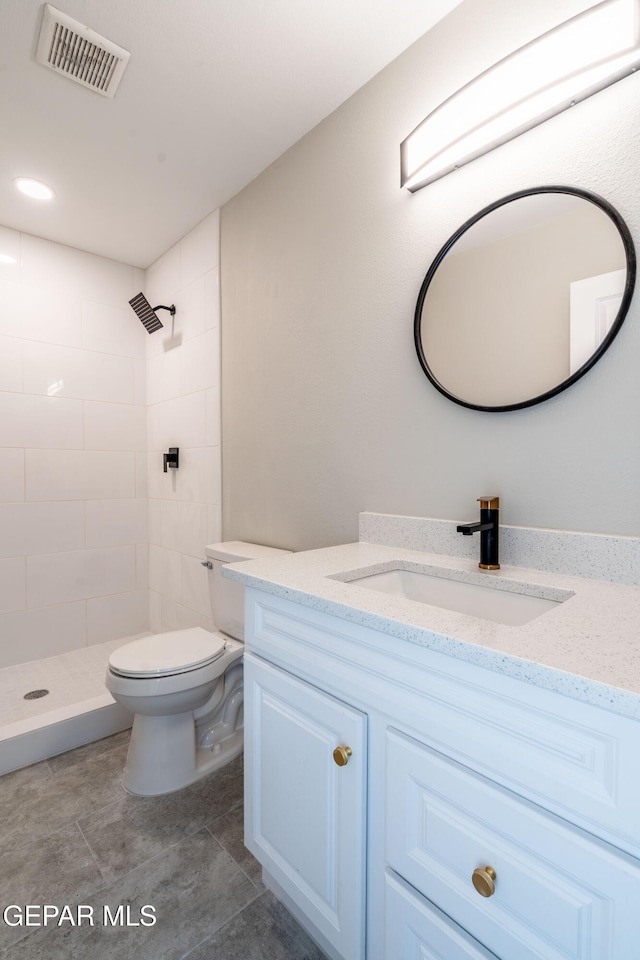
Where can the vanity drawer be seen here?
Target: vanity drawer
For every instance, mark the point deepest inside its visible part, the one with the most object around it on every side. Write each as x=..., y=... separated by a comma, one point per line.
x=559, y=892
x=573, y=758
x=416, y=930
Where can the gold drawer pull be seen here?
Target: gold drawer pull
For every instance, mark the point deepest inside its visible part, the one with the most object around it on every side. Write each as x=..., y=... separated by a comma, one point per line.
x=341, y=755
x=483, y=881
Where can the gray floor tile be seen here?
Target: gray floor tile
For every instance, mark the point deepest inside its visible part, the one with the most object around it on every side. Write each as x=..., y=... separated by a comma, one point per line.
x=182, y=854
x=119, y=741
x=263, y=931
x=229, y=832
x=132, y=830
x=40, y=806
x=195, y=887
x=13, y=785
x=57, y=870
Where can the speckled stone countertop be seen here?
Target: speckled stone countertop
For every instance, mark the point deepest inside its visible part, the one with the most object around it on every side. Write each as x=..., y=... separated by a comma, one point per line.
x=586, y=647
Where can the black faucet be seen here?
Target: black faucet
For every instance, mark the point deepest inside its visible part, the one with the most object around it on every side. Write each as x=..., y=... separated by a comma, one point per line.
x=171, y=459
x=488, y=530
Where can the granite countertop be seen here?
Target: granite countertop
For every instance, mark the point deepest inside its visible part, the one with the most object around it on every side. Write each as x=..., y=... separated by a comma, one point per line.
x=586, y=647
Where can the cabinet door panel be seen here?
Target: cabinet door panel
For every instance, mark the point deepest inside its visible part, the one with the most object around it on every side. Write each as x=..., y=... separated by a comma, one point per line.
x=416, y=930
x=304, y=814
x=560, y=894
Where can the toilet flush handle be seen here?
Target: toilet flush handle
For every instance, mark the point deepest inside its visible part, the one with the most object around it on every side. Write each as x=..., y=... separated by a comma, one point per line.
x=207, y=564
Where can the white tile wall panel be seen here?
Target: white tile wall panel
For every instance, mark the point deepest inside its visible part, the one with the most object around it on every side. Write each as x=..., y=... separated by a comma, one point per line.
x=199, y=362
x=11, y=474
x=142, y=567
x=211, y=283
x=73, y=436
x=12, y=585
x=212, y=475
x=114, y=426
x=212, y=417
x=11, y=296
x=49, y=318
x=195, y=586
x=165, y=571
x=155, y=612
x=79, y=475
x=193, y=318
x=163, y=376
x=38, y=314
x=79, y=575
x=169, y=524
x=140, y=380
x=83, y=275
x=192, y=528
x=154, y=521
x=162, y=279
x=141, y=468
x=11, y=364
x=137, y=281
x=113, y=523
x=34, y=528
x=116, y=616
x=82, y=374
x=32, y=634
x=114, y=330
x=10, y=247
x=175, y=616
x=177, y=423
x=47, y=422
x=214, y=523
x=195, y=480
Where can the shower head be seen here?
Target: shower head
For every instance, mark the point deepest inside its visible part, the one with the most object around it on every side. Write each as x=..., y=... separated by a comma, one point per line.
x=147, y=314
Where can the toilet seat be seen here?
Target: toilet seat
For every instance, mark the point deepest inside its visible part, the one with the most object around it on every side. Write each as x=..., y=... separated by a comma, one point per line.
x=167, y=654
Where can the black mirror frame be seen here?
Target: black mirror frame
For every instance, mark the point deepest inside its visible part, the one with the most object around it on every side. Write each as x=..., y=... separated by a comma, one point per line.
x=630, y=254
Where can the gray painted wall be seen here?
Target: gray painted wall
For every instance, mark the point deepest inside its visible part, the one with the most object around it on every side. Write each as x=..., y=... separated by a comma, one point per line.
x=325, y=410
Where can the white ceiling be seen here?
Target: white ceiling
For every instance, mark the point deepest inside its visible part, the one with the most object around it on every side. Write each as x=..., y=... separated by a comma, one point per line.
x=215, y=90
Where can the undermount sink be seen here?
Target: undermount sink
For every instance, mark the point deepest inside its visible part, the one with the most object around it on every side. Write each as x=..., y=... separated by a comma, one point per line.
x=478, y=600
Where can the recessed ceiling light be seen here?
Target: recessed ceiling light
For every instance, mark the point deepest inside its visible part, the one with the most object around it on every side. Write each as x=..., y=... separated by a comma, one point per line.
x=5, y=258
x=34, y=188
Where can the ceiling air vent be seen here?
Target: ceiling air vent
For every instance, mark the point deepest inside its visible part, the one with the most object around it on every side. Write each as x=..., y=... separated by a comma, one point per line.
x=81, y=54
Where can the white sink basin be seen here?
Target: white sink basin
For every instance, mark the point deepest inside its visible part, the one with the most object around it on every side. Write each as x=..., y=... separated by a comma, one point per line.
x=478, y=600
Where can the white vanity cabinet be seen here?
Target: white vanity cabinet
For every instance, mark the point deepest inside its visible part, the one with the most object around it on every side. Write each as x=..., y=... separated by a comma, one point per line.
x=468, y=771
x=305, y=811
x=549, y=891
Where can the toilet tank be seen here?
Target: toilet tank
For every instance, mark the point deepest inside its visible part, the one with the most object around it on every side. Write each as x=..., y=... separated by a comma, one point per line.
x=227, y=596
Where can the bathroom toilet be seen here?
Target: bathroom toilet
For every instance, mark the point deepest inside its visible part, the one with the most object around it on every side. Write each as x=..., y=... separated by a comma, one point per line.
x=185, y=687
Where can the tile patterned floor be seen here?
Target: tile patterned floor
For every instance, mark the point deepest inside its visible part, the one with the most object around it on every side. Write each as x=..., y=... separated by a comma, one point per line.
x=71, y=835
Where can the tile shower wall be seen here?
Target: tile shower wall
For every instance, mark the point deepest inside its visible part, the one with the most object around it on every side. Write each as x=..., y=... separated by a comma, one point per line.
x=184, y=411
x=73, y=523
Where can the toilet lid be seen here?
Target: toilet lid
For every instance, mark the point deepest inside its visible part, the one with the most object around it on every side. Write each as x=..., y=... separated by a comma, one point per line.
x=164, y=654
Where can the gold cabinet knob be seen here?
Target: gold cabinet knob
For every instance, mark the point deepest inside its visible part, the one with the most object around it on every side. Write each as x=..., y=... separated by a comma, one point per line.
x=341, y=755
x=483, y=881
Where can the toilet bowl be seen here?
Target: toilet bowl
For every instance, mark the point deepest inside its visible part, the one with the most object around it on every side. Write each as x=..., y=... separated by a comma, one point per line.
x=185, y=689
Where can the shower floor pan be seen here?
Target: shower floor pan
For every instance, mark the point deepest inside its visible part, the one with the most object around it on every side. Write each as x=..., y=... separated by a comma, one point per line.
x=77, y=708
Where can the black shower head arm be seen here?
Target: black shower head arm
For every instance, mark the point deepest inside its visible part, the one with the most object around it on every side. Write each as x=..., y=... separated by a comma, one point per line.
x=147, y=314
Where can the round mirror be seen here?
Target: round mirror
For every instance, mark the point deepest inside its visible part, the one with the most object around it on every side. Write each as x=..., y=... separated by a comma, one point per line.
x=524, y=298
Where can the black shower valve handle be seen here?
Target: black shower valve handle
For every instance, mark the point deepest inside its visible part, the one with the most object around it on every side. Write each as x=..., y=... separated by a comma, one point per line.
x=172, y=458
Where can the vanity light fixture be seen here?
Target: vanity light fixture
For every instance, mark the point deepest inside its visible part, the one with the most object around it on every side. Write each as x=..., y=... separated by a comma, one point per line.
x=35, y=189
x=569, y=63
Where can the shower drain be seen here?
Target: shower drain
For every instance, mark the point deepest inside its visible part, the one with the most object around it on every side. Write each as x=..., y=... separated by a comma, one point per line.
x=35, y=694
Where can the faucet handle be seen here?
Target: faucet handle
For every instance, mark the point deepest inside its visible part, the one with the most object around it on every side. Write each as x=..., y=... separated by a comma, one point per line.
x=489, y=503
